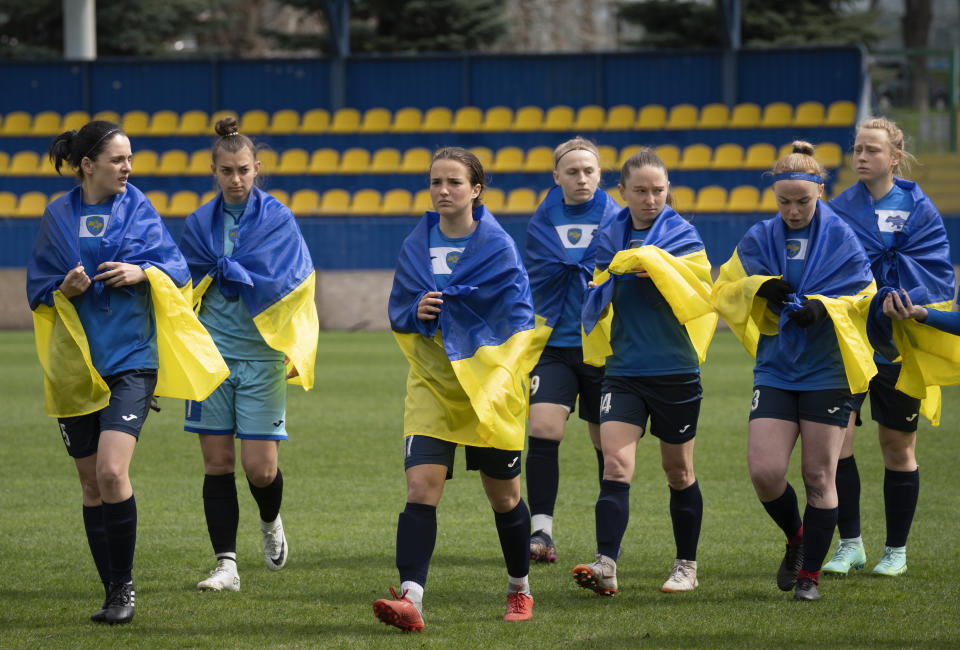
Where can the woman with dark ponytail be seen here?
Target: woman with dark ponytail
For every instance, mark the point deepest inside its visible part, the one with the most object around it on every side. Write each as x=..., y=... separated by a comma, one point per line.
x=112, y=329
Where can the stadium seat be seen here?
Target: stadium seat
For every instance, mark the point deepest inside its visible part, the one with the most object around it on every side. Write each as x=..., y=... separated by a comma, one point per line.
x=375, y=120
x=216, y=116
x=293, y=161
x=743, y=198
x=365, y=202
x=281, y=195
x=497, y=119
x=145, y=162
x=407, y=120
x=628, y=151
x=558, y=118
x=286, y=121
x=210, y=195
x=759, y=155
x=421, y=202
x=173, y=162
x=324, y=161
x=269, y=161
x=466, y=119
x=106, y=116
x=727, y=156
x=768, y=202
x=194, y=123
x=695, y=156
x=744, y=116
x=396, y=202
x=46, y=123
x=17, y=123
x=608, y=157
x=713, y=116
x=74, y=120
x=620, y=118
x=8, y=204
x=438, y=119
x=494, y=199
x=507, y=160
x=314, y=121
x=24, y=163
x=539, y=159
x=199, y=163
x=158, y=199
x=182, y=203
x=135, y=123
x=53, y=197
x=304, y=203
x=334, y=203
x=776, y=115
x=589, y=118
x=651, y=117
x=4, y=161
x=31, y=204
x=840, y=113
x=682, y=116
x=45, y=166
x=528, y=118
x=829, y=155
x=385, y=161
x=711, y=199
x=345, y=120
x=355, y=160
x=163, y=123
x=808, y=114
x=521, y=200
x=415, y=161
x=484, y=155
x=681, y=198
x=669, y=154
x=543, y=194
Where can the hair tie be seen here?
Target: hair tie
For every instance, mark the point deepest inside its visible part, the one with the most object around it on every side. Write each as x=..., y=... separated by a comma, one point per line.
x=232, y=133
x=557, y=162
x=797, y=176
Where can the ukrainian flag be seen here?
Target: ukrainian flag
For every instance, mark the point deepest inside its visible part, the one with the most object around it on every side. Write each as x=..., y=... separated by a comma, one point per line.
x=468, y=367
x=190, y=365
x=270, y=268
x=674, y=257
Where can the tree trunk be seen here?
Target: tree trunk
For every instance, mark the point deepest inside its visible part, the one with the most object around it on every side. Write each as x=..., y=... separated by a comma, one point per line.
x=915, y=24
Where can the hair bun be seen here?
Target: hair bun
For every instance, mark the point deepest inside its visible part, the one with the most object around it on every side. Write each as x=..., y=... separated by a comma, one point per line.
x=801, y=146
x=227, y=126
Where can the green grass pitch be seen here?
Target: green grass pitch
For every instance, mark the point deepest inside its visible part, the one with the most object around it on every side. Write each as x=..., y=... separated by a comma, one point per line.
x=344, y=488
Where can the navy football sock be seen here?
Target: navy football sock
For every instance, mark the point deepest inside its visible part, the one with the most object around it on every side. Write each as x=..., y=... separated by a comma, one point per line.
x=513, y=528
x=222, y=512
x=785, y=512
x=686, y=513
x=268, y=498
x=416, y=537
x=97, y=540
x=120, y=521
x=612, y=514
x=818, y=525
x=901, y=490
x=848, y=498
x=543, y=475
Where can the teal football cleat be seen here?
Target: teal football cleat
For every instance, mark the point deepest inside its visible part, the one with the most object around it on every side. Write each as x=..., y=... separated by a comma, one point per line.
x=893, y=563
x=849, y=555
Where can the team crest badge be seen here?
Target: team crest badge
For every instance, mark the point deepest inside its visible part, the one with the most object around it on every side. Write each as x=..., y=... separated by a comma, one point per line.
x=793, y=247
x=233, y=235
x=896, y=221
x=574, y=235
x=94, y=224
x=452, y=258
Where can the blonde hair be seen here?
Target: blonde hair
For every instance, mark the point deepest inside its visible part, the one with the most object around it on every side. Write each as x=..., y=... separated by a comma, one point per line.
x=800, y=160
x=574, y=144
x=894, y=138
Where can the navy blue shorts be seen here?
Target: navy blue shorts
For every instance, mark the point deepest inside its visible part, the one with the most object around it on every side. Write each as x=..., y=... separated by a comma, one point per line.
x=888, y=406
x=561, y=375
x=671, y=402
x=130, y=393
x=426, y=450
x=829, y=406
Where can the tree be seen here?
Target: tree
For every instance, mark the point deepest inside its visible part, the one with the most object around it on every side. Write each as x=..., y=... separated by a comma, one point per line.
x=917, y=17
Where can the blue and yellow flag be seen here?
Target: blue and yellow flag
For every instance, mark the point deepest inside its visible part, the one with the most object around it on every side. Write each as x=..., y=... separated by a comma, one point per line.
x=469, y=366
x=836, y=272
x=270, y=268
x=674, y=257
x=190, y=365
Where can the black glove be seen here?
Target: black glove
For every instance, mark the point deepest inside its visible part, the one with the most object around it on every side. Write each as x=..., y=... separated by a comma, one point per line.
x=808, y=314
x=775, y=290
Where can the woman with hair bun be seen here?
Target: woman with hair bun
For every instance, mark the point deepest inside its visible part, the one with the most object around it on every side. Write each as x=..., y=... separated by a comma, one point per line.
x=795, y=292
x=253, y=289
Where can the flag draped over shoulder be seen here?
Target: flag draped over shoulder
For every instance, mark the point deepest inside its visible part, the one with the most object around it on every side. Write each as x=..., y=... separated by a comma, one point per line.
x=484, y=334
x=190, y=365
x=270, y=268
x=836, y=272
x=674, y=257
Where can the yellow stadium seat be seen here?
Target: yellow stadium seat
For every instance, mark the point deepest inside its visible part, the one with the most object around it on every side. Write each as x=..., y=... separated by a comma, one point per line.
x=620, y=118
x=334, y=203
x=31, y=204
x=669, y=154
x=438, y=119
x=768, y=201
x=396, y=202
x=365, y=202
x=407, y=120
x=651, y=117
x=345, y=120
x=281, y=195
x=4, y=161
x=727, y=156
x=467, y=119
x=759, y=155
x=46, y=123
x=182, y=203
x=508, y=160
x=829, y=155
x=528, y=118
x=194, y=123
x=539, y=159
x=589, y=118
x=199, y=164
x=416, y=161
x=745, y=116
x=809, y=114
x=74, y=120
x=106, y=116
x=695, y=156
x=254, y=122
x=56, y=195
x=711, y=199
x=355, y=160
x=293, y=161
x=785, y=150
x=743, y=198
x=496, y=119
x=216, y=116
x=45, y=166
x=163, y=123
x=682, y=116
x=713, y=116
x=608, y=157
x=315, y=120
x=17, y=123
x=626, y=152
x=776, y=115
x=375, y=120
x=385, y=161
x=840, y=113
x=484, y=155
x=158, y=199
x=494, y=199
x=521, y=200
x=8, y=204
x=269, y=160
x=209, y=195
x=324, y=161
x=146, y=161
x=558, y=118
x=135, y=123
x=421, y=202
x=172, y=163
x=543, y=194
x=24, y=163
x=286, y=121
x=305, y=203
x=681, y=198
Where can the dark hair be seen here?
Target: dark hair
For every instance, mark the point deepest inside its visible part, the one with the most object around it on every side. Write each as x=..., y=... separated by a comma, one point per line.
x=646, y=157
x=230, y=140
x=800, y=160
x=469, y=160
x=73, y=146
